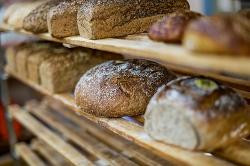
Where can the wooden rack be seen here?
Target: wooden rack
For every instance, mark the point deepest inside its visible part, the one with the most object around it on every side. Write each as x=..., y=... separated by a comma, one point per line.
x=134, y=132
x=139, y=46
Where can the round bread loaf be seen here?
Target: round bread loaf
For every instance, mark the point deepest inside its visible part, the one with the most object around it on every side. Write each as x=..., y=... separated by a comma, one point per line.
x=197, y=114
x=171, y=28
x=222, y=34
x=120, y=88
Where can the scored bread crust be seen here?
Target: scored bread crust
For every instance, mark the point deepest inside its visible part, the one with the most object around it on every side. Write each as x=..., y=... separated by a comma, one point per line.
x=102, y=19
x=222, y=34
x=120, y=88
x=36, y=21
x=183, y=114
x=172, y=27
x=62, y=19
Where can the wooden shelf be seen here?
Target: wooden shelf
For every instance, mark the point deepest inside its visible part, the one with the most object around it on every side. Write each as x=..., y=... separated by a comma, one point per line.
x=175, y=55
x=135, y=133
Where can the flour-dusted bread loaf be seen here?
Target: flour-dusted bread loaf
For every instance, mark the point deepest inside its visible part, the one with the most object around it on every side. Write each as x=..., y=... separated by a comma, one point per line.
x=61, y=73
x=120, y=88
x=36, y=20
x=16, y=18
x=172, y=27
x=198, y=114
x=221, y=34
x=62, y=19
x=11, y=9
x=113, y=18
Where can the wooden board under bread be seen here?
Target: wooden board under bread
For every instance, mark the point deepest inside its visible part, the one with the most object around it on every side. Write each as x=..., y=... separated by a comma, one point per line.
x=141, y=46
x=136, y=134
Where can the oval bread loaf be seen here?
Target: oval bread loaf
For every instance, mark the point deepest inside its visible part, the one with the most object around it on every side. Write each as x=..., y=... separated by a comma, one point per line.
x=197, y=114
x=120, y=88
x=221, y=34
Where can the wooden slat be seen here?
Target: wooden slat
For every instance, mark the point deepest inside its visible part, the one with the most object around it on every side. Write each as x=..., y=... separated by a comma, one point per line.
x=136, y=134
x=28, y=155
x=52, y=156
x=141, y=47
x=49, y=137
x=85, y=141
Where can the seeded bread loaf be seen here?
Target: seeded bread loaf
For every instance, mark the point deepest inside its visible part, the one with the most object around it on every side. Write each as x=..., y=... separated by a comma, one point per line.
x=221, y=34
x=172, y=27
x=120, y=88
x=197, y=114
x=61, y=73
x=16, y=18
x=113, y=18
x=36, y=20
x=62, y=19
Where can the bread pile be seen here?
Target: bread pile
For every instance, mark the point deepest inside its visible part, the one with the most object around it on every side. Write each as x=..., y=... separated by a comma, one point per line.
x=53, y=66
x=92, y=19
x=220, y=34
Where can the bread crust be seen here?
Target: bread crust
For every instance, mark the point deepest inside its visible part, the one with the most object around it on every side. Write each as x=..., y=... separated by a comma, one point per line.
x=102, y=19
x=62, y=19
x=171, y=28
x=219, y=116
x=221, y=34
x=120, y=88
x=36, y=21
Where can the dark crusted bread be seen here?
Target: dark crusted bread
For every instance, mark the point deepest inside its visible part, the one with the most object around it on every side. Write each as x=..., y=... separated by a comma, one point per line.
x=172, y=27
x=222, y=34
x=245, y=13
x=120, y=88
x=62, y=19
x=36, y=21
x=113, y=18
x=197, y=114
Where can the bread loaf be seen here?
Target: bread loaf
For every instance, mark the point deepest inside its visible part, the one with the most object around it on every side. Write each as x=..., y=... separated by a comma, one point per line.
x=61, y=73
x=62, y=19
x=113, y=18
x=16, y=18
x=221, y=34
x=120, y=88
x=197, y=114
x=172, y=27
x=245, y=13
x=11, y=9
x=36, y=20
x=11, y=58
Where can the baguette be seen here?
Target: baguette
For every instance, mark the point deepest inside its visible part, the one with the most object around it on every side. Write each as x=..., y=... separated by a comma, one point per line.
x=113, y=18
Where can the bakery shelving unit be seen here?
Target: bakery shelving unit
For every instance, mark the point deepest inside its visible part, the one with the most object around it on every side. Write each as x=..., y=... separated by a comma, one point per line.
x=139, y=46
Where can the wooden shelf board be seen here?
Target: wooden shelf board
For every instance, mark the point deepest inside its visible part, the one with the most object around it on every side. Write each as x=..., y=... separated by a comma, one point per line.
x=136, y=134
x=141, y=46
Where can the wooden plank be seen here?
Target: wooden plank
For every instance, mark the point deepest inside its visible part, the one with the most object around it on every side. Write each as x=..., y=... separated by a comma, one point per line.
x=52, y=156
x=84, y=140
x=24, y=151
x=136, y=134
x=49, y=137
x=142, y=47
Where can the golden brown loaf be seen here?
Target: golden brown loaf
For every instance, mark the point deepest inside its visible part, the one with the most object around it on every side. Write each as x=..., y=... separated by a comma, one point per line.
x=245, y=13
x=36, y=20
x=197, y=114
x=120, y=88
x=171, y=28
x=222, y=34
x=60, y=73
x=62, y=19
x=113, y=18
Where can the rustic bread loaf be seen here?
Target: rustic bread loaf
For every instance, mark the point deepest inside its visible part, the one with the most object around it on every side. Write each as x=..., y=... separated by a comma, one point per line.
x=11, y=9
x=11, y=58
x=36, y=20
x=172, y=27
x=62, y=19
x=120, y=88
x=222, y=34
x=61, y=73
x=17, y=17
x=197, y=114
x=35, y=59
x=245, y=13
x=113, y=18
